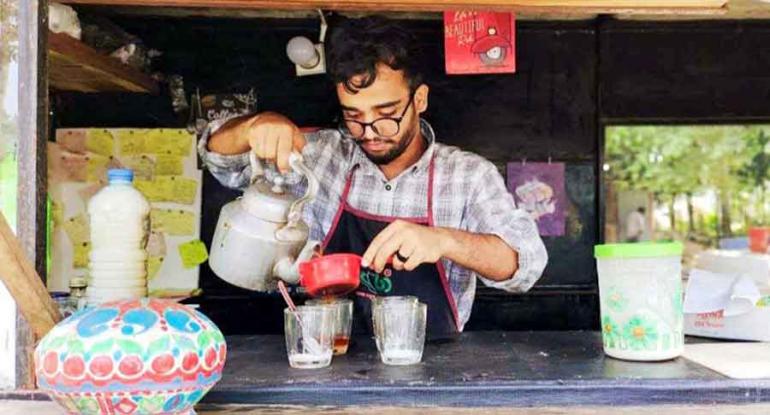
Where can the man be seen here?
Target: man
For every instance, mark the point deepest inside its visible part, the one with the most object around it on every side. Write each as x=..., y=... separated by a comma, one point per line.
x=635, y=225
x=427, y=218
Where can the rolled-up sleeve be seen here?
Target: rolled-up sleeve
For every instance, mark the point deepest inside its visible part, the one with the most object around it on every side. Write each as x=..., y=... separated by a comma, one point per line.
x=232, y=170
x=492, y=210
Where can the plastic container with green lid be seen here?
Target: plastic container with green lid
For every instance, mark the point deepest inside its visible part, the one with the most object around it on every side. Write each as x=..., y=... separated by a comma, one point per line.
x=640, y=293
x=638, y=250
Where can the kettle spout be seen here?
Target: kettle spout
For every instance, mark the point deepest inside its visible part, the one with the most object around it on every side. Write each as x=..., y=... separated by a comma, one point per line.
x=287, y=268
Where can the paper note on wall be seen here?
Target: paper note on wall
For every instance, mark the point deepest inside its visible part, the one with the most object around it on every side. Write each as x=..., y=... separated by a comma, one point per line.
x=177, y=189
x=80, y=254
x=96, y=167
x=100, y=142
x=64, y=165
x=156, y=244
x=142, y=165
x=77, y=229
x=153, y=266
x=131, y=142
x=193, y=253
x=153, y=190
x=173, y=221
x=183, y=189
x=73, y=140
x=166, y=164
x=169, y=142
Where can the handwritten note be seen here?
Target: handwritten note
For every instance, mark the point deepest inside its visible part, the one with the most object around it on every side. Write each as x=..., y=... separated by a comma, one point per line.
x=100, y=141
x=77, y=228
x=130, y=141
x=183, y=189
x=173, y=221
x=153, y=190
x=142, y=165
x=169, y=142
x=193, y=253
x=166, y=164
x=178, y=189
x=80, y=254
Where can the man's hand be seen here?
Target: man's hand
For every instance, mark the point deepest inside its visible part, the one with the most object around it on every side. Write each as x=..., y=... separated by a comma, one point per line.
x=270, y=135
x=415, y=244
x=487, y=255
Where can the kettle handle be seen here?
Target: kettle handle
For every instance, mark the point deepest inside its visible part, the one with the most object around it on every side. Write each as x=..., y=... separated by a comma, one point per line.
x=256, y=167
x=295, y=210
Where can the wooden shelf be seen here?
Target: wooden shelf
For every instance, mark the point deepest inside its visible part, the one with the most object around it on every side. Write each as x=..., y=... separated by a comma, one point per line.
x=647, y=7
x=74, y=66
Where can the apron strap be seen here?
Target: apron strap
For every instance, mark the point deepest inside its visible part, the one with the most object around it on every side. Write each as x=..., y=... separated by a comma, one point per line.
x=440, y=264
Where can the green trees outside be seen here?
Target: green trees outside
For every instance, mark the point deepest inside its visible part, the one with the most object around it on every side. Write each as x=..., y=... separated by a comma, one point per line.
x=678, y=163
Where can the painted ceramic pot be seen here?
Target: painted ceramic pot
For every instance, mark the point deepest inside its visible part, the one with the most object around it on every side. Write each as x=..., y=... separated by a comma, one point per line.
x=131, y=357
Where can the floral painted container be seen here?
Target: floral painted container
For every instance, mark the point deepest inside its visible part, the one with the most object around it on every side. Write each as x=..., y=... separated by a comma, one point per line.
x=131, y=357
x=640, y=294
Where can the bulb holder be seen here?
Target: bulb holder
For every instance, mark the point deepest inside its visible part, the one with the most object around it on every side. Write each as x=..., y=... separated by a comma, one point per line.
x=318, y=67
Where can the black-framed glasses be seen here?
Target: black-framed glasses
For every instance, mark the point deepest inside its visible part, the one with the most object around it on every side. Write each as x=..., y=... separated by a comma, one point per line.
x=383, y=127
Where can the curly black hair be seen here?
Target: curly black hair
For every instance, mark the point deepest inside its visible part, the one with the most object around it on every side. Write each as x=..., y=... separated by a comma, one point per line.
x=356, y=46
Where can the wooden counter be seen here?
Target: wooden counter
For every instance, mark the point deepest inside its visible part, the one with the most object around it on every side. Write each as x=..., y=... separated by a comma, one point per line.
x=481, y=369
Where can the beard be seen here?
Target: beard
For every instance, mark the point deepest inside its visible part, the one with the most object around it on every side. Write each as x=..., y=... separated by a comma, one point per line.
x=396, y=151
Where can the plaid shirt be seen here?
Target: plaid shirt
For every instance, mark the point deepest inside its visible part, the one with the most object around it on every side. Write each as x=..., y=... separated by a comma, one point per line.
x=469, y=194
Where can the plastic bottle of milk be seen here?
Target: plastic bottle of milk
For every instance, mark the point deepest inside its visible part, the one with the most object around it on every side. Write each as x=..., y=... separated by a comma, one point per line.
x=119, y=221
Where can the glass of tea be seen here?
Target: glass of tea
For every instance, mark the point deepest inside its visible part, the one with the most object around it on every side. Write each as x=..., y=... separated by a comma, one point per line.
x=343, y=318
x=399, y=331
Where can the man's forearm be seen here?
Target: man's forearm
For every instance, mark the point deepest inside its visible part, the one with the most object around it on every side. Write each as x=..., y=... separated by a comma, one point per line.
x=229, y=139
x=487, y=255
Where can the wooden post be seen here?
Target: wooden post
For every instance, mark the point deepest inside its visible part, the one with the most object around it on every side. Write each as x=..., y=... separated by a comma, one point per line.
x=25, y=285
x=31, y=190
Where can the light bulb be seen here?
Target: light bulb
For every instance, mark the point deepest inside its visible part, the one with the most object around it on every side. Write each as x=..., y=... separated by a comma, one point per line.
x=302, y=52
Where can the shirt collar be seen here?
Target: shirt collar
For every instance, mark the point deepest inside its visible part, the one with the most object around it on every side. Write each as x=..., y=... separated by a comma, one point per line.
x=360, y=159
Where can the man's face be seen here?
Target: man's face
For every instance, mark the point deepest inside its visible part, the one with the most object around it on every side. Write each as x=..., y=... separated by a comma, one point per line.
x=388, y=96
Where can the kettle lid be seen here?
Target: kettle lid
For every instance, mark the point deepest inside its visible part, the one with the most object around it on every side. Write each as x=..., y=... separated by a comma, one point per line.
x=267, y=201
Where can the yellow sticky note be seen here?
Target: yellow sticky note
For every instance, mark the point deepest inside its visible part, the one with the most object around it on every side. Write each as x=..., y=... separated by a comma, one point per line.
x=131, y=142
x=100, y=141
x=168, y=164
x=173, y=221
x=183, y=189
x=153, y=266
x=193, y=253
x=169, y=142
x=57, y=213
x=143, y=166
x=96, y=167
x=80, y=254
x=77, y=229
x=154, y=190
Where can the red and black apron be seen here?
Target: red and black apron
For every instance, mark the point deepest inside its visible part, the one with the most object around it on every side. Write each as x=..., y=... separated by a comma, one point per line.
x=353, y=230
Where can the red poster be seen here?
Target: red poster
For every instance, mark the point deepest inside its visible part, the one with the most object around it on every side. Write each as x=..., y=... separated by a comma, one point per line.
x=479, y=42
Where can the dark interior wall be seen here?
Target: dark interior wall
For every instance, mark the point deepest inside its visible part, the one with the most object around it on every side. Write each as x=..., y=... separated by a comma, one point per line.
x=699, y=71
x=549, y=108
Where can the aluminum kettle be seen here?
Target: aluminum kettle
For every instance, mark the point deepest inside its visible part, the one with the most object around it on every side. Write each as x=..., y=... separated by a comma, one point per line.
x=260, y=236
